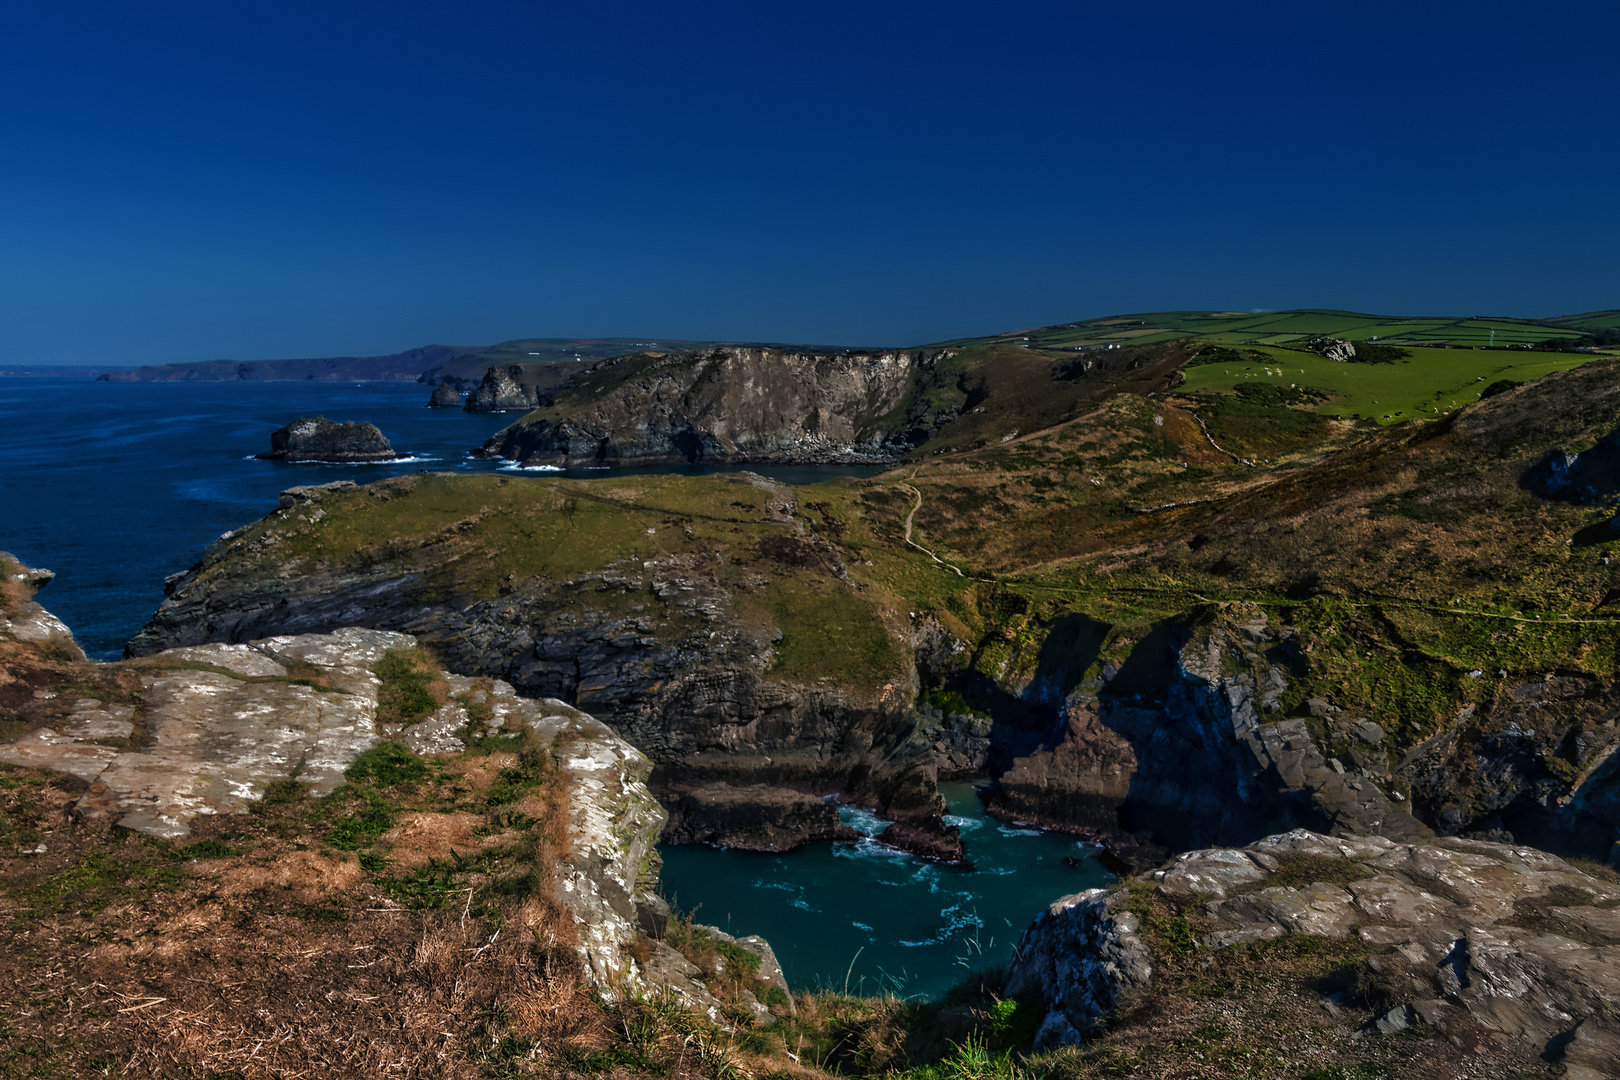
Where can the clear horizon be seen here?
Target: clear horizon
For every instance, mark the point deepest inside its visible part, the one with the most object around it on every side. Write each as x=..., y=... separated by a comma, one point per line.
x=189, y=182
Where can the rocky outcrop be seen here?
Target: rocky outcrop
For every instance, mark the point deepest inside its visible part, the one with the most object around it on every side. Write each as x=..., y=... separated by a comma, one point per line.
x=1475, y=939
x=1334, y=349
x=730, y=404
x=24, y=621
x=756, y=817
x=445, y=396
x=1540, y=760
x=929, y=837
x=1188, y=748
x=660, y=648
x=215, y=726
x=520, y=387
x=674, y=974
x=315, y=438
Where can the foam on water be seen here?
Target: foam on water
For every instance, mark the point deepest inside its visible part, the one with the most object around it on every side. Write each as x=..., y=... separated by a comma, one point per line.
x=861, y=909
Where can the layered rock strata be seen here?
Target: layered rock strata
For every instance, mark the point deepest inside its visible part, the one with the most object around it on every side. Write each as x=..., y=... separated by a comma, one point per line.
x=1479, y=940
x=1198, y=754
x=730, y=404
x=660, y=648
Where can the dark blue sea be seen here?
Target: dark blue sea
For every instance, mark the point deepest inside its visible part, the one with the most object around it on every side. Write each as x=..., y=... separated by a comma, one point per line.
x=115, y=486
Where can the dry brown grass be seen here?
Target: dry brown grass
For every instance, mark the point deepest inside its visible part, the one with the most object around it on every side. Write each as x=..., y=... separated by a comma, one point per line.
x=273, y=955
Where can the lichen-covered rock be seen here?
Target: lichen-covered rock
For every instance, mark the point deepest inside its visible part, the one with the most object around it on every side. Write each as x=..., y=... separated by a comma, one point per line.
x=1476, y=939
x=315, y=438
x=223, y=722
x=22, y=620
x=217, y=739
x=1079, y=958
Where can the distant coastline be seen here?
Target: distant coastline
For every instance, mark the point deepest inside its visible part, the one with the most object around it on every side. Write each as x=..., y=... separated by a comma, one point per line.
x=51, y=371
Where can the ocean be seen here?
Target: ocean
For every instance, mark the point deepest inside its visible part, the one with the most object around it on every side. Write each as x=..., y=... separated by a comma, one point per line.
x=115, y=486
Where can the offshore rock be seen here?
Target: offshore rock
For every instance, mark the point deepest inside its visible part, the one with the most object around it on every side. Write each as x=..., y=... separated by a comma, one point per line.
x=315, y=438
x=1476, y=939
x=445, y=396
x=928, y=837
x=519, y=387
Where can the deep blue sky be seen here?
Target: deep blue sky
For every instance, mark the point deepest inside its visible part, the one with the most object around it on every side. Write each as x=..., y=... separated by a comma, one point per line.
x=187, y=181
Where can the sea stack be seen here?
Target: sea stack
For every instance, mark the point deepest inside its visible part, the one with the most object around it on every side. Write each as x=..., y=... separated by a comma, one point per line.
x=319, y=439
x=445, y=396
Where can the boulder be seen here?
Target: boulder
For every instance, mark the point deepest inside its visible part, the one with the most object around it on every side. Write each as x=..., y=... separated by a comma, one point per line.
x=929, y=837
x=1479, y=940
x=315, y=438
x=755, y=817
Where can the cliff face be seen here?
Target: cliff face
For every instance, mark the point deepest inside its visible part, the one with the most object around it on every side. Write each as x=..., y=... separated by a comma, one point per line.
x=677, y=651
x=1187, y=748
x=729, y=404
x=520, y=387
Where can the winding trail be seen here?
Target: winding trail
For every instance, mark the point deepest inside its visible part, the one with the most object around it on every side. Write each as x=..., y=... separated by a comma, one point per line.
x=913, y=543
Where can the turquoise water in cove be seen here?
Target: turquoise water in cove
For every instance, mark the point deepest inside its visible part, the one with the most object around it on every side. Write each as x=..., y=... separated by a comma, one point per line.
x=117, y=485
x=876, y=920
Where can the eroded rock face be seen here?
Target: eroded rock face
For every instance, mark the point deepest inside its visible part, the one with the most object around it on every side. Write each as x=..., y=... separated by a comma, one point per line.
x=1198, y=755
x=218, y=724
x=754, y=817
x=732, y=404
x=504, y=389
x=1473, y=937
x=23, y=620
x=315, y=438
x=654, y=647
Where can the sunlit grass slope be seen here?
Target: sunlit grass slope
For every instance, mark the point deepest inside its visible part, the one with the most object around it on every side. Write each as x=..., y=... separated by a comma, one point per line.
x=1429, y=383
x=1282, y=327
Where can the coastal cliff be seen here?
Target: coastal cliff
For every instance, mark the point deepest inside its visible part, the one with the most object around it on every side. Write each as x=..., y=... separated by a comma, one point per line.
x=729, y=404
x=722, y=671
x=387, y=830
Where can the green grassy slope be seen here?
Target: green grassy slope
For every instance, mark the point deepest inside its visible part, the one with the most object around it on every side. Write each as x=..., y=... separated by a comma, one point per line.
x=1282, y=327
x=1430, y=382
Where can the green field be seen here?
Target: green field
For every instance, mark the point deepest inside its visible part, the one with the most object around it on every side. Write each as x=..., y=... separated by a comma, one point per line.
x=1282, y=327
x=1431, y=383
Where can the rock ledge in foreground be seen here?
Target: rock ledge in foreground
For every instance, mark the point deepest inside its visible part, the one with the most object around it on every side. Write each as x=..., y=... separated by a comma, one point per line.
x=1478, y=940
